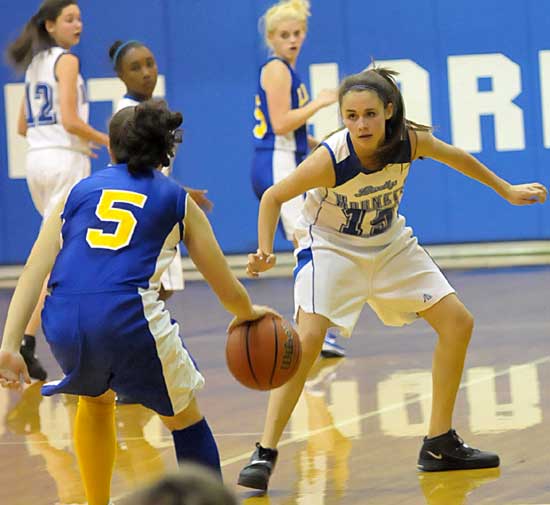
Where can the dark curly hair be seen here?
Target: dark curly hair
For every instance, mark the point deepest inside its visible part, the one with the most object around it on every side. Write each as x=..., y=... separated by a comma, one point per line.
x=144, y=137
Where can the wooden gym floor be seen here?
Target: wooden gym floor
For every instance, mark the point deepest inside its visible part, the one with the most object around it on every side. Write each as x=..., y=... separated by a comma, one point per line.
x=355, y=434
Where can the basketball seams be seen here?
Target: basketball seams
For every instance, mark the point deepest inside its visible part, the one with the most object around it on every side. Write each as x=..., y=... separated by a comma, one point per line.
x=247, y=341
x=276, y=353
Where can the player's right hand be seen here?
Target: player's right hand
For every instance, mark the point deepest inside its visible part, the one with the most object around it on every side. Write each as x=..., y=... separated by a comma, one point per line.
x=327, y=97
x=259, y=262
x=12, y=370
x=258, y=311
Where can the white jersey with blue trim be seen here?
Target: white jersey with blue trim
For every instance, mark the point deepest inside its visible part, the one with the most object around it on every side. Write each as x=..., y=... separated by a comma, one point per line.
x=43, y=112
x=126, y=101
x=362, y=208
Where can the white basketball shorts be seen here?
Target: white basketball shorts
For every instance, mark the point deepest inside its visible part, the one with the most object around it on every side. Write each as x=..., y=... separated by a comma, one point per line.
x=398, y=280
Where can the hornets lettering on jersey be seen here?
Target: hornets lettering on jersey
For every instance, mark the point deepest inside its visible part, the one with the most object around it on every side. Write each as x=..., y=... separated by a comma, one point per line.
x=363, y=203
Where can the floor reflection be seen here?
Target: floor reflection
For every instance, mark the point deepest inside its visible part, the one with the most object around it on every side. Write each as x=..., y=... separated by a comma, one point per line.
x=35, y=418
x=452, y=488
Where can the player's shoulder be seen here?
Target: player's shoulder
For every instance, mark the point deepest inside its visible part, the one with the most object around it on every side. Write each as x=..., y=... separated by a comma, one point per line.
x=338, y=145
x=276, y=67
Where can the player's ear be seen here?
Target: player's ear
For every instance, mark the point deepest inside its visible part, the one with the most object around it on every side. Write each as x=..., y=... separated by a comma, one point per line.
x=388, y=112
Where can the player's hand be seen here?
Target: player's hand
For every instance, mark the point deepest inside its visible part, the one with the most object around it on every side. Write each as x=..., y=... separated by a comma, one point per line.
x=13, y=370
x=526, y=194
x=199, y=195
x=259, y=262
x=327, y=97
x=258, y=311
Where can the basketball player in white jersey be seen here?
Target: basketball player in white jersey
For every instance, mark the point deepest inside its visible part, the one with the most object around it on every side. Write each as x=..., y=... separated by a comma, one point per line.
x=54, y=119
x=281, y=109
x=352, y=236
x=136, y=66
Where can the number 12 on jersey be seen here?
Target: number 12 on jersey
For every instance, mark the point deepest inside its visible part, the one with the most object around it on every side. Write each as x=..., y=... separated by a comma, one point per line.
x=126, y=221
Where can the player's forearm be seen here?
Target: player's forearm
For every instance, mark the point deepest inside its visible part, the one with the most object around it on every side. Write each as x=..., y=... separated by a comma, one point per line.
x=268, y=217
x=22, y=305
x=238, y=303
x=473, y=168
x=78, y=127
x=294, y=118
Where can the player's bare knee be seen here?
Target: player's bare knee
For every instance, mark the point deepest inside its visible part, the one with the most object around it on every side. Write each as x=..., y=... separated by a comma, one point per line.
x=184, y=418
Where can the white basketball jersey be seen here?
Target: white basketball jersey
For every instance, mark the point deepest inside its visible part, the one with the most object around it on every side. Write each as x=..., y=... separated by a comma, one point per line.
x=44, y=122
x=364, y=204
x=126, y=101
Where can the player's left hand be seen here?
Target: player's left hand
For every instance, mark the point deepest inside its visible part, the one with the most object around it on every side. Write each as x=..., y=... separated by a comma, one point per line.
x=92, y=148
x=199, y=195
x=260, y=262
x=13, y=370
x=526, y=194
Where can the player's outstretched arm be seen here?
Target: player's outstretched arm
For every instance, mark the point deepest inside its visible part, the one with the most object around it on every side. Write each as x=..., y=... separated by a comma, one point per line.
x=38, y=266
x=465, y=163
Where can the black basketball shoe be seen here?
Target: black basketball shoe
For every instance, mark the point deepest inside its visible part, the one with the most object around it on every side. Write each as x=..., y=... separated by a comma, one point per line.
x=258, y=471
x=449, y=452
x=36, y=370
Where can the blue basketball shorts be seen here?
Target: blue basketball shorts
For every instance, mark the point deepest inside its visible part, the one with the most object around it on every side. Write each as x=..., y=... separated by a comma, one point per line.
x=124, y=341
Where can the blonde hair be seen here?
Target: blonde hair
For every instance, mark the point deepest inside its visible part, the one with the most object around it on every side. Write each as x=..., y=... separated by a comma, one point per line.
x=284, y=9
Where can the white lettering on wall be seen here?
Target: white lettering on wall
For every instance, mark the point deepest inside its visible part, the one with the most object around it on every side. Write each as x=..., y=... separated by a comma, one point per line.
x=321, y=76
x=414, y=82
x=544, y=63
x=468, y=103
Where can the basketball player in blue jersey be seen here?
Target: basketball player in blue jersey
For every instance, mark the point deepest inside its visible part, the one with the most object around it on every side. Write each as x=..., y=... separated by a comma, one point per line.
x=351, y=235
x=282, y=107
x=54, y=119
x=108, y=246
x=136, y=67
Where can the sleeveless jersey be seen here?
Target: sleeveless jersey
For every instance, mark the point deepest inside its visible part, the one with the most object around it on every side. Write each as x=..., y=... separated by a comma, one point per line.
x=363, y=204
x=43, y=113
x=126, y=101
x=119, y=232
x=264, y=137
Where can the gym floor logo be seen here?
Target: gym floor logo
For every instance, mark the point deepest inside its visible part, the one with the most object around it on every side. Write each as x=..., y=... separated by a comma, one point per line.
x=289, y=348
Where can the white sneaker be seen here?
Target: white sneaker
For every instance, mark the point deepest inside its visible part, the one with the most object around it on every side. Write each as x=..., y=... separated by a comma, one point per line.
x=330, y=348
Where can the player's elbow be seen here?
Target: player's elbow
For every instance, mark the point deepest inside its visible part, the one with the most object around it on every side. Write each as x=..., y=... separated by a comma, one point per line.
x=70, y=125
x=280, y=127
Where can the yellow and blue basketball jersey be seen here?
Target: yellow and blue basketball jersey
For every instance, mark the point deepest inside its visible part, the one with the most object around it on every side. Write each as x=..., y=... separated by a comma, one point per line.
x=103, y=319
x=264, y=136
x=119, y=231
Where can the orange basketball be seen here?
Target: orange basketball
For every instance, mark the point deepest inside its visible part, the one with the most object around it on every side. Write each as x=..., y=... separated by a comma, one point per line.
x=263, y=354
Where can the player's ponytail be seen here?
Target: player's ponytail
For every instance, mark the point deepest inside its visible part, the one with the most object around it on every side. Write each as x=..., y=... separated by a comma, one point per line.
x=382, y=82
x=284, y=9
x=145, y=136
x=34, y=37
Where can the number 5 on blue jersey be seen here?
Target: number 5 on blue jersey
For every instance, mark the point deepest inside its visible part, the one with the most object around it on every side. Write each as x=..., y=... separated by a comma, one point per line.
x=126, y=222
